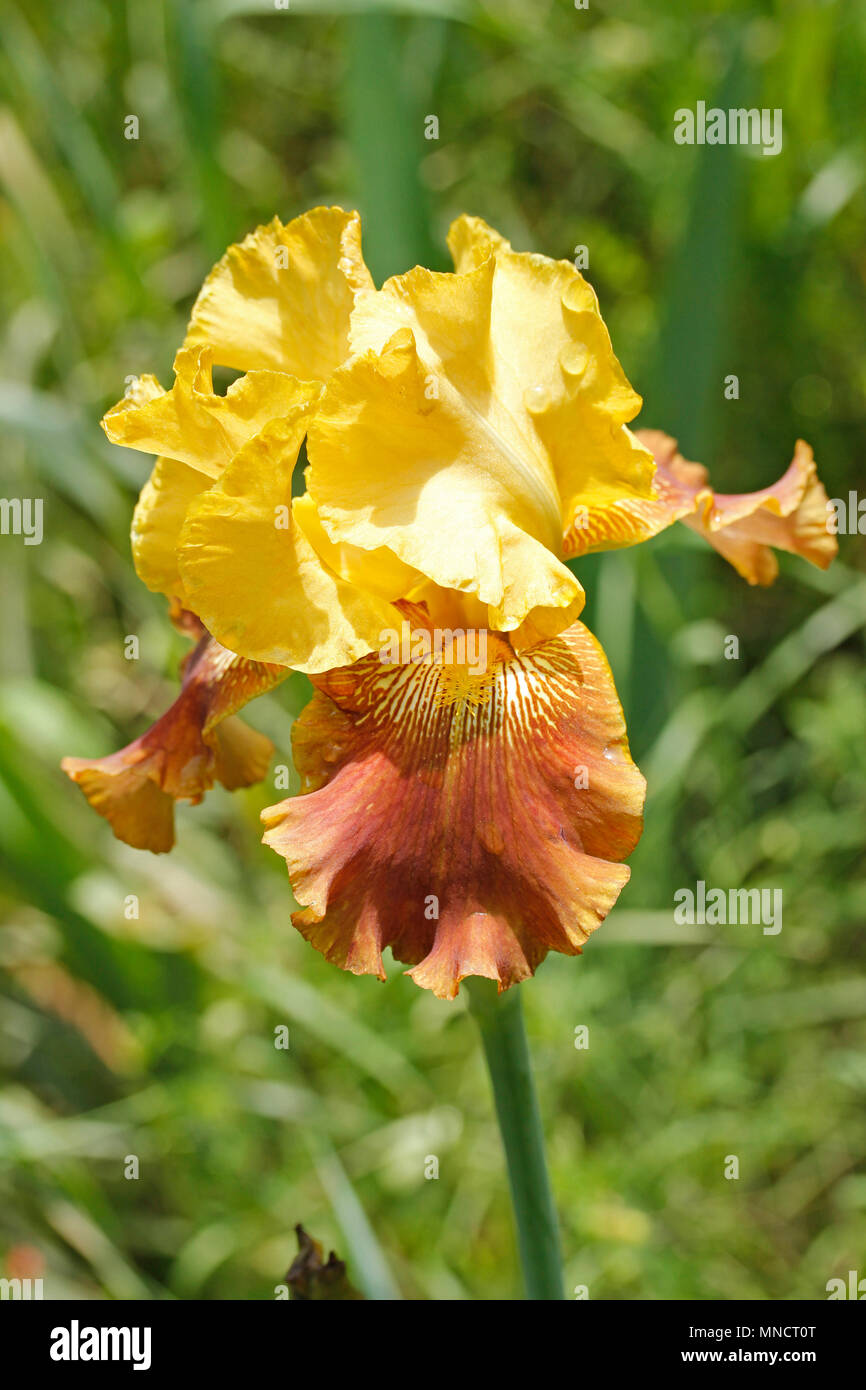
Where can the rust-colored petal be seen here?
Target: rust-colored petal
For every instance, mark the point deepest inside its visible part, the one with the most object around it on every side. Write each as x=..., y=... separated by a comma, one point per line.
x=744, y=527
x=471, y=822
x=195, y=743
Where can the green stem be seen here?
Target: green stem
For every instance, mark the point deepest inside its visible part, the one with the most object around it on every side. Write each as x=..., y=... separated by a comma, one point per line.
x=500, y=1018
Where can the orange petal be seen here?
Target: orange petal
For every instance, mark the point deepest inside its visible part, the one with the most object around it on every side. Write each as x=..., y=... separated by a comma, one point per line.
x=743, y=527
x=194, y=744
x=790, y=515
x=470, y=822
x=631, y=520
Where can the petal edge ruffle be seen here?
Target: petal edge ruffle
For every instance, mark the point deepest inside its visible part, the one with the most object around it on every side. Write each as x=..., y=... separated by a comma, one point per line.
x=745, y=528
x=472, y=836
x=281, y=299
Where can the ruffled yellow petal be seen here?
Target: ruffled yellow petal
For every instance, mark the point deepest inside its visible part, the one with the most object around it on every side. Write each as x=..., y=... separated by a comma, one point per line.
x=472, y=830
x=251, y=572
x=281, y=299
x=553, y=360
x=195, y=743
x=377, y=571
x=745, y=528
x=203, y=430
x=480, y=406
x=156, y=523
x=441, y=479
x=195, y=425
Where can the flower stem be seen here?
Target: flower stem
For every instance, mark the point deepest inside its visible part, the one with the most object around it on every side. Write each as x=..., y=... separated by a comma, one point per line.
x=500, y=1018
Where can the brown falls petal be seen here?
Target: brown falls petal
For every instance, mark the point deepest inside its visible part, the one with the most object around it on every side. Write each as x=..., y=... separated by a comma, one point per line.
x=471, y=823
x=791, y=514
x=195, y=743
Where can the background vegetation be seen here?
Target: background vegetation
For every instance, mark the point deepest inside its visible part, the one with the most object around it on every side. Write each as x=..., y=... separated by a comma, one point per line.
x=155, y=1037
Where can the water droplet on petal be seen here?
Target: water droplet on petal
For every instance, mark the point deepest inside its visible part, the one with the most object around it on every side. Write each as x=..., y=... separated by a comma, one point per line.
x=574, y=359
x=536, y=399
x=578, y=296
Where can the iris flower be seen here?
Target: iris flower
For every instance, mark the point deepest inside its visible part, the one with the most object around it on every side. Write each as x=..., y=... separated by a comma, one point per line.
x=466, y=433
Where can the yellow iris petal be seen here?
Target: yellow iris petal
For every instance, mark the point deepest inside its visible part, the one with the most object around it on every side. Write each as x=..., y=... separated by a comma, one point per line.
x=281, y=299
x=195, y=425
x=378, y=571
x=158, y=517
x=400, y=457
x=252, y=574
x=554, y=361
x=479, y=408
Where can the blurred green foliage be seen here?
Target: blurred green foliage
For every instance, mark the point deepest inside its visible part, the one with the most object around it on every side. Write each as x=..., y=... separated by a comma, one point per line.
x=155, y=1037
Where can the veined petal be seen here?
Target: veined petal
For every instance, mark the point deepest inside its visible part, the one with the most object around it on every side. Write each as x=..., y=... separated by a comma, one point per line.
x=437, y=481
x=470, y=820
x=252, y=573
x=195, y=743
x=192, y=423
x=744, y=527
x=281, y=299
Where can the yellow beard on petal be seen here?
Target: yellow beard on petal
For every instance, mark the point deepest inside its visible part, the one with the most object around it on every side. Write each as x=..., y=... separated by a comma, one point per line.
x=470, y=827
